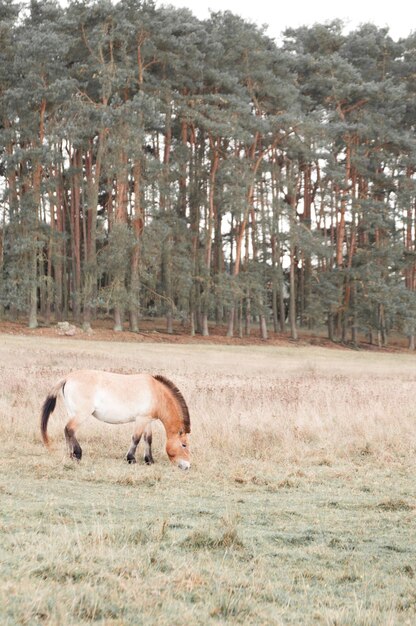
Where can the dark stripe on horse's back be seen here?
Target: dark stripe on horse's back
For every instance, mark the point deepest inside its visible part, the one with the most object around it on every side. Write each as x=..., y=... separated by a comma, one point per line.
x=173, y=388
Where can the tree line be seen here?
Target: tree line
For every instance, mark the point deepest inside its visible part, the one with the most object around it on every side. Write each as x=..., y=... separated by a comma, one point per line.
x=155, y=164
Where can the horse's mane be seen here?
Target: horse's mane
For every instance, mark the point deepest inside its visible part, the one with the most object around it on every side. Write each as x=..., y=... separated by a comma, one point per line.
x=179, y=397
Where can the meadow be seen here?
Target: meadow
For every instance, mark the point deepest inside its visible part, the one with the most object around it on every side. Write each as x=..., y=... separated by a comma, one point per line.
x=299, y=507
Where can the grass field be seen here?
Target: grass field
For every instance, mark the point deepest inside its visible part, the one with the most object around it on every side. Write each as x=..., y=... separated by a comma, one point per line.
x=299, y=508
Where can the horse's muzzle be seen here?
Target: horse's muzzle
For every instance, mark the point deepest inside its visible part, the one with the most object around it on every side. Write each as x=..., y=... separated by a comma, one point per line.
x=184, y=465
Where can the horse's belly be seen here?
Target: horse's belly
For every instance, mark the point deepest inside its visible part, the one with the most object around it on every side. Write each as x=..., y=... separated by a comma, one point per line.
x=116, y=409
x=113, y=418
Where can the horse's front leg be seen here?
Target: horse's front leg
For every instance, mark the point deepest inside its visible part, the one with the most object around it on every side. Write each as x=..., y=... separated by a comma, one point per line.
x=138, y=431
x=131, y=454
x=148, y=458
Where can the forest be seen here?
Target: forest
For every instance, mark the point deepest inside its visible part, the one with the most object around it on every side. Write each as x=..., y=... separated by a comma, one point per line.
x=154, y=164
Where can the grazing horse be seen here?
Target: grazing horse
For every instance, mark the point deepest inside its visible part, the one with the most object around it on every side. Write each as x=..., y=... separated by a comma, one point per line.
x=122, y=398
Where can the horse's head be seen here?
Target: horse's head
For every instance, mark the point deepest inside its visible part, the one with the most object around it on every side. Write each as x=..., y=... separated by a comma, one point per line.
x=177, y=448
x=172, y=410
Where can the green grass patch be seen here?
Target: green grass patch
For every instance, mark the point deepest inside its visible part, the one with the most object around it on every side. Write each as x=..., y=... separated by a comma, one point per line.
x=78, y=552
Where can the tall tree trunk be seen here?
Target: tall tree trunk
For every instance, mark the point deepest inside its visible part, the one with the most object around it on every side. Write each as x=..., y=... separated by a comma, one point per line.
x=292, y=301
x=195, y=176
x=93, y=175
x=215, y=158
x=183, y=168
x=75, y=208
x=292, y=193
x=138, y=225
x=165, y=206
x=36, y=189
x=59, y=253
x=241, y=228
x=50, y=257
x=120, y=218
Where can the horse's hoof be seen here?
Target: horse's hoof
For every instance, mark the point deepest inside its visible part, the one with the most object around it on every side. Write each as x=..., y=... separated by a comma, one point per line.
x=77, y=452
x=131, y=460
x=148, y=460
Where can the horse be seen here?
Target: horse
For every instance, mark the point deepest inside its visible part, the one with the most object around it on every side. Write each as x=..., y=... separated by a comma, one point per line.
x=119, y=399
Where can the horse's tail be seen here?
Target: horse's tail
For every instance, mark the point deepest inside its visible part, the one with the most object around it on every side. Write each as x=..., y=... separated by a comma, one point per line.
x=48, y=408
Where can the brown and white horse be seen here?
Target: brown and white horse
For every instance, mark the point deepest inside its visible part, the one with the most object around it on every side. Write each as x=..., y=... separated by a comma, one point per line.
x=122, y=398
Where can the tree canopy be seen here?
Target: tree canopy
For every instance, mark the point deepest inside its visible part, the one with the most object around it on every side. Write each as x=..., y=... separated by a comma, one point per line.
x=155, y=164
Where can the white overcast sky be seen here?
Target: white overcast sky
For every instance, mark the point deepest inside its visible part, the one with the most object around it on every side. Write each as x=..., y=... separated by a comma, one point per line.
x=398, y=15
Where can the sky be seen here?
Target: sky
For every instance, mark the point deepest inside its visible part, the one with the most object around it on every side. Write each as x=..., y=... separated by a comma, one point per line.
x=398, y=15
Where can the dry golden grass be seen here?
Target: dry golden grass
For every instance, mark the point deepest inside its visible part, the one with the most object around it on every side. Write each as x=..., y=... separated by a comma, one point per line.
x=299, y=507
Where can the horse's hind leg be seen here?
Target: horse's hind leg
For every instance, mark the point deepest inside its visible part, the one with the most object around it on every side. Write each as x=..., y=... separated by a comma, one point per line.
x=148, y=458
x=75, y=450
